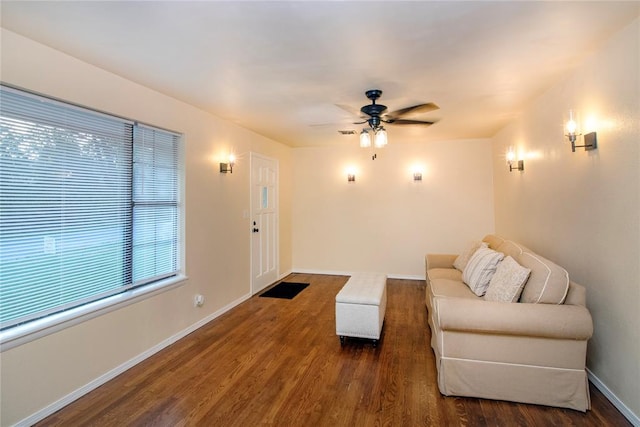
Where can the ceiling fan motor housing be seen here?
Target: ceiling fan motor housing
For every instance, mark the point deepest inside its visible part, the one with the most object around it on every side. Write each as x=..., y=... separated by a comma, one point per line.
x=374, y=110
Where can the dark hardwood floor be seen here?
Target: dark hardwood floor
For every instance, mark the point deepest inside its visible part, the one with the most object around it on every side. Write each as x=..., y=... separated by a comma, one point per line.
x=278, y=362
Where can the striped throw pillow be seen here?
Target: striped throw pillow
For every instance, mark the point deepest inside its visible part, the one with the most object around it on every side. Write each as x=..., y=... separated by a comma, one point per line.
x=480, y=269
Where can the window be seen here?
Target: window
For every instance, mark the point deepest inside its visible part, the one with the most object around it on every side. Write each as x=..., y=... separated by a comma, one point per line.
x=89, y=206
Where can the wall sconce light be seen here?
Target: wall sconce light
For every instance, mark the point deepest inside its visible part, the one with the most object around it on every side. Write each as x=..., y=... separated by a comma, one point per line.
x=351, y=177
x=417, y=176
x=228, y=167
x=511, y=159
x=590, y=139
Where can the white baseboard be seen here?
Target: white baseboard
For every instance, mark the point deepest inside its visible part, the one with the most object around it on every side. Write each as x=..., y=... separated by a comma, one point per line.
x=328, y=272
x=76, y=394
x=283, y=275
x=405, y=277
x=624, y=409
x=349, y=273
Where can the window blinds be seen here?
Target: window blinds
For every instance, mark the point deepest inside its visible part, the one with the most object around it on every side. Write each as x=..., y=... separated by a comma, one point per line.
x=88, y=206
x=155, y=204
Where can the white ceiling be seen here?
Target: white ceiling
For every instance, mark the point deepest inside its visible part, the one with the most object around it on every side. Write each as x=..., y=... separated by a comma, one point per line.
x=282, y=68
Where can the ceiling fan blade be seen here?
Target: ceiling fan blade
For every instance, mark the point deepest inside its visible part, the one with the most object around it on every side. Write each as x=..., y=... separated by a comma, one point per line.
x=410, y=122
x=420, y=108
x=350, y=110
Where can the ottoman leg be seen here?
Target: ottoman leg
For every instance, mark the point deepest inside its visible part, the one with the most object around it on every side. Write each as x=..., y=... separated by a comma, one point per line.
x=342, y=340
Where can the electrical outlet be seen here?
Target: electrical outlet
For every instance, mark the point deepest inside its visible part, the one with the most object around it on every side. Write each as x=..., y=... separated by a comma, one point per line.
x=198, y=300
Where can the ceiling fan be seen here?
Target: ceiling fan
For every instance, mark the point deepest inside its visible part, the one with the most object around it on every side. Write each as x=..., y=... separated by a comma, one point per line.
x=377, y=116
x=374, y=115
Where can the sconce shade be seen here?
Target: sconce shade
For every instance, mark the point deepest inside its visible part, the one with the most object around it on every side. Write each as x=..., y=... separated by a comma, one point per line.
x=417, y=176
x=571, y=126
x=351, y=177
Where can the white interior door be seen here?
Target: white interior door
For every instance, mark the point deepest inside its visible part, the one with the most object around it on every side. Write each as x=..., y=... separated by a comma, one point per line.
x=264, y=222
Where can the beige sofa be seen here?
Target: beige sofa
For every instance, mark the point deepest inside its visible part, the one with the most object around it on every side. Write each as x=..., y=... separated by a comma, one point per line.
x=532, y=351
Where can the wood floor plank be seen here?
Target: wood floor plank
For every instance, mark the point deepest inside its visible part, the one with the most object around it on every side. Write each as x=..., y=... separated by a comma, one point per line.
x=279, y=363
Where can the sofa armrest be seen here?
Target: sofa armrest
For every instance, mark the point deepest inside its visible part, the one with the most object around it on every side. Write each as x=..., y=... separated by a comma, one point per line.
x=439, y=260
x=503, y=318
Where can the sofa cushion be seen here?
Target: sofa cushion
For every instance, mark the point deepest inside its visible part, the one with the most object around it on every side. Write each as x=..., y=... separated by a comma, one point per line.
x=444, y=273
x=507, y=283
x=548, y=282
x=480, y=269
x=450, y=288
x=461, y=262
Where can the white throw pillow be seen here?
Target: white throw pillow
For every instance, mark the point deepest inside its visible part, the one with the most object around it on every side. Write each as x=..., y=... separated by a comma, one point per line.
x=480, y=269
x=461, y=261
x=507, y=283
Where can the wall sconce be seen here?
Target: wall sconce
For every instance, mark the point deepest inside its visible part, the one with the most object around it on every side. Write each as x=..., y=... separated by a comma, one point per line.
x=590, y=139
x=417, y=176
x=228, y=167
x=511, y=157
x=351, y=177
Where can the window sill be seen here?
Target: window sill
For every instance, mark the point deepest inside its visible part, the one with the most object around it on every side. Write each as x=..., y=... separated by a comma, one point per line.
x=30, y=331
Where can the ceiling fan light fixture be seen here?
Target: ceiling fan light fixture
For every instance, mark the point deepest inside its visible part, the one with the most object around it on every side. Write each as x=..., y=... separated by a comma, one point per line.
x=376, y=116
x=381, y=137
x=365, y=139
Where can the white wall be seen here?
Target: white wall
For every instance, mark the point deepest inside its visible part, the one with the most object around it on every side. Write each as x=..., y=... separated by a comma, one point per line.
x=384, y=221
x=582, y=209
x=41, y=372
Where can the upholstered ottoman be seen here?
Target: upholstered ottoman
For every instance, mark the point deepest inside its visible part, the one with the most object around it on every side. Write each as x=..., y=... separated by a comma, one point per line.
x=360, y=307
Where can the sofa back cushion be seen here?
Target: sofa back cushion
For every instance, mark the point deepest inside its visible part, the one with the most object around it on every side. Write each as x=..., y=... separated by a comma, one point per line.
x=493, y=241
x=548, y=282
x=509, y=248
x=461, y=261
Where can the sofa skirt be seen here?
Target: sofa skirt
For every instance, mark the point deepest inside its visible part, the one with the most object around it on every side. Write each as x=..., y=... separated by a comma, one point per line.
x=566, y=388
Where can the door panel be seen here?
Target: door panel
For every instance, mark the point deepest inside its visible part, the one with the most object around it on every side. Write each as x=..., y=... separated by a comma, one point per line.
x=264, y=222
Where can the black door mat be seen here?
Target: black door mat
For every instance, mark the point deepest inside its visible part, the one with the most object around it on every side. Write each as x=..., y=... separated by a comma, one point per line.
x=285, y=290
